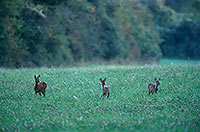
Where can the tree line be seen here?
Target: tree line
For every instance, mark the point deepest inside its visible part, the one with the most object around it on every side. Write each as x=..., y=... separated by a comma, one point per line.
x=36, y=33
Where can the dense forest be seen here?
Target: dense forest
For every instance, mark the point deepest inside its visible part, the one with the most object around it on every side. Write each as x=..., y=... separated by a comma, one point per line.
x=36, y=33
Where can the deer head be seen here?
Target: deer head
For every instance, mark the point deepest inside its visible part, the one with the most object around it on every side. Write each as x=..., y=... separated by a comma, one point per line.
x=103, y=81
x=157, y=82
x=37, y=78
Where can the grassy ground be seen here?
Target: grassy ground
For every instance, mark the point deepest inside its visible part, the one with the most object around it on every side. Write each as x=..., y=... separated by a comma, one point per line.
x=73, y=101
x=179, y=62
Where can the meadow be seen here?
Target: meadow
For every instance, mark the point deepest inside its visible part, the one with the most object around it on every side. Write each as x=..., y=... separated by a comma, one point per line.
x=73, y=99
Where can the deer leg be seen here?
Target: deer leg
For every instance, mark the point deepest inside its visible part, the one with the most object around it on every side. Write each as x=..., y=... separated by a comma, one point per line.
x=156, y=91
x=35, y=93
x=43, y=93
x=104, y=94
x=40, y=93
x=108, y=95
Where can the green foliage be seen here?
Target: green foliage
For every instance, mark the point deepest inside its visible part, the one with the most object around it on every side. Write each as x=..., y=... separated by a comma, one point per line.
x=181, y=5
x=184, y=41
x=12, y=47
x=58, y=33
x=73, y=101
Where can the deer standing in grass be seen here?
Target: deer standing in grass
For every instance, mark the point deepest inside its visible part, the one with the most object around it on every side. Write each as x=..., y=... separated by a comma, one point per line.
x=153, y=87
x=39, y=86
x=106, y=90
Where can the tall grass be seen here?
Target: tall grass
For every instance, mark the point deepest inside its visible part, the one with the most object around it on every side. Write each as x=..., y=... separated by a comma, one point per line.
x=73, y=101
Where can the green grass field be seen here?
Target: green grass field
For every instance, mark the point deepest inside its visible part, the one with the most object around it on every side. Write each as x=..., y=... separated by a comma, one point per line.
x=73, y=101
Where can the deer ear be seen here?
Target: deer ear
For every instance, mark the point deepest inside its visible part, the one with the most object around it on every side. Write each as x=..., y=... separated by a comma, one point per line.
x=38, y=76
x=155, y=79
x=104, y=79
x=35, y=76
x=159, y=79
x=100, y=79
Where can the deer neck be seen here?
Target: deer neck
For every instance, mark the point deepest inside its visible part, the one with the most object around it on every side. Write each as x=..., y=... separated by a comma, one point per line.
x=156, y=85
x=102, y=86
x=36, y=84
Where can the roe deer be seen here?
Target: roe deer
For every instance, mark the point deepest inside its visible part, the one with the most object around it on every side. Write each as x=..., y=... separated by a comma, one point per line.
x=106, y=90
x=39, y=86
x=153, y=87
